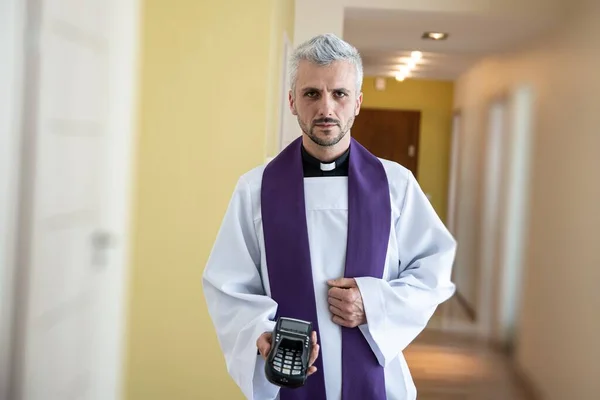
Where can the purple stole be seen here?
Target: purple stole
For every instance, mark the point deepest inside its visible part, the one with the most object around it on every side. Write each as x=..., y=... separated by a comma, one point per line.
x=288, y=259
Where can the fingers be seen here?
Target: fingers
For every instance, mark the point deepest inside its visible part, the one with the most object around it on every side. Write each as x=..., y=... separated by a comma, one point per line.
x=348, y=305
x=349, y=319
x=314, y=353
x=339, y=312
x=344, y=322
x=337, y=293
x=344, y=283
x=346, y=295
x=264, y=344
x=340, y=304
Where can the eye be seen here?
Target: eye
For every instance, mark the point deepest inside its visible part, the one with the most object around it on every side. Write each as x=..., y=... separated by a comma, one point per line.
x=340, y=94
x=311, y=94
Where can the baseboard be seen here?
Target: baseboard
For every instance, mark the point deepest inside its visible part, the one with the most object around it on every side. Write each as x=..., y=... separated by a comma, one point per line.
x=466, y=306
x=525, y=382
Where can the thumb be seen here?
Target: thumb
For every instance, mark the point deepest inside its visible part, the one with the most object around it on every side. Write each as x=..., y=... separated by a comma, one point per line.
x=344, y=283
x=264, y=345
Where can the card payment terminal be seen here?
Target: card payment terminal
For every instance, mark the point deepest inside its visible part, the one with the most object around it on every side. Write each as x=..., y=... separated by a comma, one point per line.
x=287, y=362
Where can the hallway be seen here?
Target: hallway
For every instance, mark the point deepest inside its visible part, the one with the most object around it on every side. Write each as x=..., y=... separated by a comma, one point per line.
x=452, y=364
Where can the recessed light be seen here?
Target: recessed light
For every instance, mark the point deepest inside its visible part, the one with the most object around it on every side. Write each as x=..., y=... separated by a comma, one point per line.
x=404, y=69
x=416, y=55
x=435, y=36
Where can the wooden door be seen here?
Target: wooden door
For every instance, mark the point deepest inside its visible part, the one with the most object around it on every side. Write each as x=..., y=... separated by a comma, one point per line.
x=390, y=134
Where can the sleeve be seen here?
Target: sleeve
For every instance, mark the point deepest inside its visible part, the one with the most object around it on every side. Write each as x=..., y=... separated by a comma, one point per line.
x=398, y=310
x=238, y=306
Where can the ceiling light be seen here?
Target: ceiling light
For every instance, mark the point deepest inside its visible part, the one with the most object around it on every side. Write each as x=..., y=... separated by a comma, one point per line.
x=400, y=77
x=411, y=64
x=416, y=55
x=405, y=69
x=435, y=36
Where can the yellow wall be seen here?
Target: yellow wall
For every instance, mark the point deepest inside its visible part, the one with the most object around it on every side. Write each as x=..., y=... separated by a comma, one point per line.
x=434, y=99
x=205, y=101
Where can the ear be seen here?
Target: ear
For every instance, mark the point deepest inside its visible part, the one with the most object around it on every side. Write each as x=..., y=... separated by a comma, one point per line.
x=292, y=103
x=359, y=100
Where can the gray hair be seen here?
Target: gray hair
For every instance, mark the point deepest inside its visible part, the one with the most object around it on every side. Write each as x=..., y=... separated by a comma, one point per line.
x=324, y=50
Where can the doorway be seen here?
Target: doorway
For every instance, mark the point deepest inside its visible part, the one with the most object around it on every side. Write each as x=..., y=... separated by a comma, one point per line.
x=390, y=134
x=73, y=147
x=504, y=217
x=495, y=165
x=454, y=175
x=515, y=216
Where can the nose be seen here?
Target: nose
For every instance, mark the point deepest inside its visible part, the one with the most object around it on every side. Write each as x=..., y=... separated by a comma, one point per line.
x=326, y=106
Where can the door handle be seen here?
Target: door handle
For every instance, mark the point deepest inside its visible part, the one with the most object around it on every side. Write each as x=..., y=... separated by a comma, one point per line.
x=102, y=241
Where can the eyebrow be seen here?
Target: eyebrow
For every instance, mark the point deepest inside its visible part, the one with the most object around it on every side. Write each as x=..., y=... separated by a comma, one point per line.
x=312, y=89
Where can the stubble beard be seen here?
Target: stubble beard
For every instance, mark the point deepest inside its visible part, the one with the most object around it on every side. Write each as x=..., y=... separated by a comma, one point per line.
x=327, y=141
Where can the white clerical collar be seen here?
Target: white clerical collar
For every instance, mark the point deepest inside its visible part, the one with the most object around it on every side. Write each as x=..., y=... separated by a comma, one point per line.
x=314, y=167
x=328, y=167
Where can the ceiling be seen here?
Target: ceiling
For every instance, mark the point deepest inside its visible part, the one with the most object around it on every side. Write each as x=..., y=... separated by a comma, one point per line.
x=385, y=39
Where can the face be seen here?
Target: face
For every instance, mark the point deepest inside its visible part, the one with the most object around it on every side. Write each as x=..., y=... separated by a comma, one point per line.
x=326, y=101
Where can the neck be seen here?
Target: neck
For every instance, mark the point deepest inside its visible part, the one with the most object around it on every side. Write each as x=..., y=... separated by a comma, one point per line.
x=326, y=154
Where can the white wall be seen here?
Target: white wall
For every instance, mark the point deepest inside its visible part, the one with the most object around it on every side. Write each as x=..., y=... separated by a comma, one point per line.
x=497, y=6
x=12, y=22
x=313, y=17
x=558, y=335
x=289, y=128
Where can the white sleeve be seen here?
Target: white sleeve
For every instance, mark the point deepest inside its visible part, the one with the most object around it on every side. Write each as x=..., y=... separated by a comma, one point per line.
x=398, y=310
x=236, y=299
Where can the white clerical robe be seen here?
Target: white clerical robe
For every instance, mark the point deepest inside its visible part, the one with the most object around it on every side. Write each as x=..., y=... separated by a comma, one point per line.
x=416, y=280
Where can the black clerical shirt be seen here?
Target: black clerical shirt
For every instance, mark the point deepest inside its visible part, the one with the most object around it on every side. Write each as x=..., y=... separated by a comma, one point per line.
x=315, y=168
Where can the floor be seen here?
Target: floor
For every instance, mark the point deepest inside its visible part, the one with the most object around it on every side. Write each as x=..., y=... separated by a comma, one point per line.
x=451, y=316
x=451, y=364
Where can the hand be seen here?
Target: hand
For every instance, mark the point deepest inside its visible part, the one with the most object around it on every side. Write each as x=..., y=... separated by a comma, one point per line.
x=345, y=303
x=264, y=346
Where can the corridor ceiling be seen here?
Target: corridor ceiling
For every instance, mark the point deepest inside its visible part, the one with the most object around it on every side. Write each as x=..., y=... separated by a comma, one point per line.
x=386, y=38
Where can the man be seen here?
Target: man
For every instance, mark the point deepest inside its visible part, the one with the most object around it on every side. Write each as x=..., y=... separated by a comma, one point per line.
x=328, y=233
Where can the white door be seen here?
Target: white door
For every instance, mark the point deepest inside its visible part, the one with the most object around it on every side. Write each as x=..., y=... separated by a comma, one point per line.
x=78, y=113
x=454, y=174
x=515, y=214
x=495, y=157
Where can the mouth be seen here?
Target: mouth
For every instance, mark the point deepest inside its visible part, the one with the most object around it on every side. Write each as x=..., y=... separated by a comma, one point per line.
x=325, y=125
